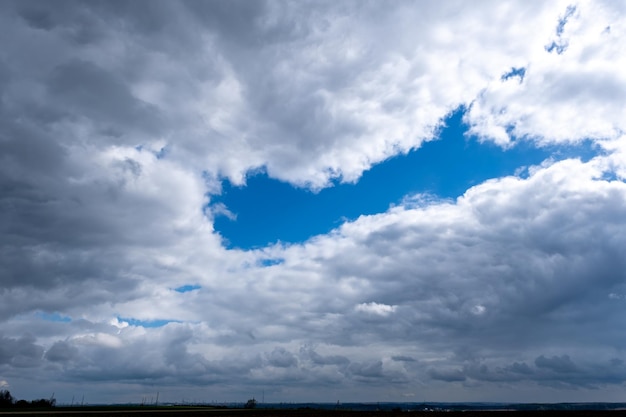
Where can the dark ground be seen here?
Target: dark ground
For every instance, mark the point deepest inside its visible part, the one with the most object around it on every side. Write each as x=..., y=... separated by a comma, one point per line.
x=192, y=412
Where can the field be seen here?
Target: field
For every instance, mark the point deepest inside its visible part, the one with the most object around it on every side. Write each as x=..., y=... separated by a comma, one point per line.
x=213, y=412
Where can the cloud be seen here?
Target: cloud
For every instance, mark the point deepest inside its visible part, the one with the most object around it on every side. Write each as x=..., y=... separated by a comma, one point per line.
x=375, y=308
x=538, y=253
x=559, y=364
x=574, y=74
x=368, y=369
x=322, y=85
x=61, y=351
x=281, y=358
x=318, y=359
x=401, y=358
x=220, y=209
x=119, y=121
x=20, y=353
x=519, y=368
x=448, y=375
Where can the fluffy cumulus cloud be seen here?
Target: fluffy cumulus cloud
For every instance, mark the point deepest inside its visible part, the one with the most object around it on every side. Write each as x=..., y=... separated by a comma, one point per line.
x=118, y=122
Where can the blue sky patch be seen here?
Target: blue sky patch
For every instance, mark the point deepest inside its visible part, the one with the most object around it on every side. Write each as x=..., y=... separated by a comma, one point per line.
x=561, y=45
x=563, y=21
x=54, y=317
x=515, y=72
x=270, y=262
x=147, y=323
x=187, y=288
x=161, y=153
x=267, y=211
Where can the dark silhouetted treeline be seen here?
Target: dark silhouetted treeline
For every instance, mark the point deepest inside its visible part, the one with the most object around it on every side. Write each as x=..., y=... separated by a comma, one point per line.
x=7, y=401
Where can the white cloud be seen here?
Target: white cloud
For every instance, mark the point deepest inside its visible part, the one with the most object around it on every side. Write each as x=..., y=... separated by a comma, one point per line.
x=478, y=310
x=564, y=97
x=220, y=209
x=99, y=339
x=326, y=97
x=375, y=308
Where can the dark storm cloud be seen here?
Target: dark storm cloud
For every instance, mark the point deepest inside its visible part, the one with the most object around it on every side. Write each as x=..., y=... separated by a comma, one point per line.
x=560, y=364
x=61, y=351
x=401, y=358
x=448, y=375
x=22, y=352
x=368, y=369
x=519, y=368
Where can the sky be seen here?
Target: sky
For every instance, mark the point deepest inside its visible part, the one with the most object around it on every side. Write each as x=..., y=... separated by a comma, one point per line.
x=313, y=201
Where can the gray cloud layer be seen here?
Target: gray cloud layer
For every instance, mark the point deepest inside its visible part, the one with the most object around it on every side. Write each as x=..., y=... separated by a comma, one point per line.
x=118, y=121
